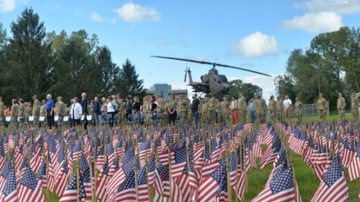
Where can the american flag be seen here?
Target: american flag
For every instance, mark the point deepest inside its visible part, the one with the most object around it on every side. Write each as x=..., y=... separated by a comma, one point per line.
x=270, y=154
x=42, y=175
x=30, y=188
x=211, y=185
x=115, y=181
x=127, y=190
x=280, y=188
x=36, y=159
x=100, y=159
x=333, y=187
x=142, y=189
x=347, y=154
x=144, y=149
x=9, y=193
x=102, y=183
x=70, y=194
x=111, y=154
x=180, y=160
x=354, y=168
x=62, y=179
x=85, y=175
x=5, y=173
x=2, y=156
x=187, y=182
x=76, y=150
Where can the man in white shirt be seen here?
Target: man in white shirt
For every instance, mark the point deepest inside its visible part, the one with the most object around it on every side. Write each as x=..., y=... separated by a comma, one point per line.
x=75, y=112
x=287, y=108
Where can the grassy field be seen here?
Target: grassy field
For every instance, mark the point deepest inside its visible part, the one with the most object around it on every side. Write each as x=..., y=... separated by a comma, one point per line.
x=306, y=178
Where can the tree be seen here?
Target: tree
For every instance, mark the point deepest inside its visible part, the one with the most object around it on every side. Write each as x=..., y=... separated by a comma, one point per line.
x=28, y=57
x=248, y=89
x=285, y=86
x=128, y=82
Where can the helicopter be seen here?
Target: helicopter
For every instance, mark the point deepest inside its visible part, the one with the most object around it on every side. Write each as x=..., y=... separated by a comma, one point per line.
x=212, y=82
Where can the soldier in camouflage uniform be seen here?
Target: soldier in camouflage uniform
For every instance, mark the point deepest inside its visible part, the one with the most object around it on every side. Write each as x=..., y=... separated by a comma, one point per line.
x=272, y=109
x=224, y=110
x=21, y=113
x=298, y=110
x=36, y=111
x=241, y=107
x=280, y=109
x=263, y=102
x=354, y=106
x=341, y=104
x=147, y=110
x=14, y=114
x=211, y=108
x=204, y=111
x=43, y=112
x=321, y=106
x=182, y=108
x=259, y=109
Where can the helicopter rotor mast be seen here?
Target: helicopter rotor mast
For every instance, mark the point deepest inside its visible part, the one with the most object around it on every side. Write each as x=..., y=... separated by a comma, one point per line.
x=211, y=63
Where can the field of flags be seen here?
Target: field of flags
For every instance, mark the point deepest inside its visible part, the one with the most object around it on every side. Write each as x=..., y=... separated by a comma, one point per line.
x=177, y=163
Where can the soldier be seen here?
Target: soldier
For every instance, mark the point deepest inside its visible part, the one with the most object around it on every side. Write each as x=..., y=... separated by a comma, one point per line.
x=241, y=106
x=259, y=109
x=272, y=109
x=36, y=110
x=147, y=110
x=354, y=106
x=2, y=107
x=224, y=110
x=321, y=106
x=204, y=111
x=182, y=109
x=287, y=104
x=171, y=109
x=211, y=108
x=341, y=104
x=298, y=110
x=279, y=109
x=43, y=111
x=14, y=113
x=21, y=112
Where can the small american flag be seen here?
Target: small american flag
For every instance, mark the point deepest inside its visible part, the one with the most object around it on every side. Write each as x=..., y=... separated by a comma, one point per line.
x=102, y=183
x=210, y=186
x=333, y=187
x=280, y=188
x=9, y=193
x=30, y=188
x=354, y=168
x=70, y=194
x=180, y=160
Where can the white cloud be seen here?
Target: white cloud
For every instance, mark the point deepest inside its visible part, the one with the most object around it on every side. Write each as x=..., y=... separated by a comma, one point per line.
x=265, y=83
x=133, y=13
x=7, y=5
x=336, y=6
x=316, y=22
x=256, y=45
x=96, y=17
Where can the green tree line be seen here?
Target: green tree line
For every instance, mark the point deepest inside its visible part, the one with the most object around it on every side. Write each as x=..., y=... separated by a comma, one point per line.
x=330, y=65
x=33, y=61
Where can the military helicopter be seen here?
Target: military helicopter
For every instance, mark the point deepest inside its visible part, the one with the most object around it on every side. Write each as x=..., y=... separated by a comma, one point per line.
x=212, y=82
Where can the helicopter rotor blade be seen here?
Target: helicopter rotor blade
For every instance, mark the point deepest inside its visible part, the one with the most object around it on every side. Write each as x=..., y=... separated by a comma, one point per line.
x=211, y=63
x=240, y=68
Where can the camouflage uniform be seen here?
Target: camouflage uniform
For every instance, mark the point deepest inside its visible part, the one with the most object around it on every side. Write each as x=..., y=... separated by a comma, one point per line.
x=204, y=111
x=224, y=109
x=341, y=104
x=36, y=112
x=1, y=113
x=280, y=109
x=272, y=109
x=355, y=106
x=182, y=108
x=14, y=114
x=321, y=107
x=298, y=110
x=241, y=107
x=211, y=108
x=259, y=109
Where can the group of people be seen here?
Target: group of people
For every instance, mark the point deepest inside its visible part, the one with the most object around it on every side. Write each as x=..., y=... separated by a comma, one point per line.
x=153, y=109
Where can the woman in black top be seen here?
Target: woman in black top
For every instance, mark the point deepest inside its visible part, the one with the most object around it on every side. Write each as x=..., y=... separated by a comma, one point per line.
x=136, y=109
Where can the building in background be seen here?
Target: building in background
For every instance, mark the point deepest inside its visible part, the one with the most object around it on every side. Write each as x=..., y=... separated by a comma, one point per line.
x=165, y=90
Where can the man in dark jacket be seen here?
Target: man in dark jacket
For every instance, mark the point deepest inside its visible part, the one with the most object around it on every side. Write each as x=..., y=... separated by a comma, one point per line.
x=84, y=105
x=97, y=110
